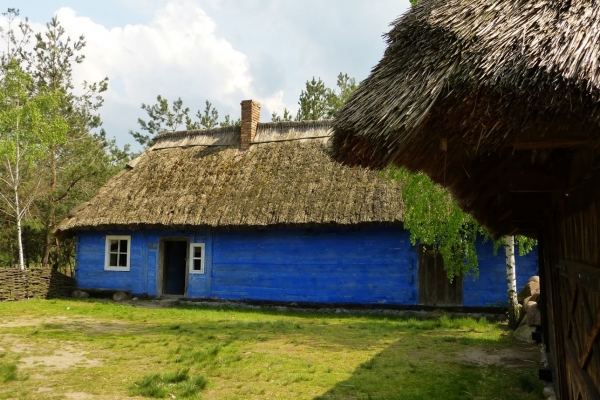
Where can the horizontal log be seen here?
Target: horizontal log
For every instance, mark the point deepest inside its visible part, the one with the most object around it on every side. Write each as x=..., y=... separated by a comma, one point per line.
x=583, y=274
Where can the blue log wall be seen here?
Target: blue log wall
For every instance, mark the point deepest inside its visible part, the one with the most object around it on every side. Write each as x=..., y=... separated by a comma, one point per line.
x=367, y=265
x=490, y=288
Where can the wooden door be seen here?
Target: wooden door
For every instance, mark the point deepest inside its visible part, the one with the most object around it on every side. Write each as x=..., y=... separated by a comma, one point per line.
x=175, y=267
x=435, y=289
x=579, y=326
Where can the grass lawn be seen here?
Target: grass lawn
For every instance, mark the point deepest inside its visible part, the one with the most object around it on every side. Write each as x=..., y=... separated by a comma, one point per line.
x=60, y=349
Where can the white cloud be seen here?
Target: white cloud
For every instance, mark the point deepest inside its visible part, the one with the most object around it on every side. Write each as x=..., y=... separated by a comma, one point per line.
x=176, y=54
x=224, y=51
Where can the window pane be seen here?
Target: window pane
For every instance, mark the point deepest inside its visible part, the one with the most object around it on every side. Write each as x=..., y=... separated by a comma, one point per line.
x=122, y=260
x=123, y=246
x=198, y=252
x=114, y=246
x=197, y=265
x=113, y=260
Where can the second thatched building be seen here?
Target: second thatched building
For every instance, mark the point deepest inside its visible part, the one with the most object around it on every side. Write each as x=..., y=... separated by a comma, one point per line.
x=260, y=212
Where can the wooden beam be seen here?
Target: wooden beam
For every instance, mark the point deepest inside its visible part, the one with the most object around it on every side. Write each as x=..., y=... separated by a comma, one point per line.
x=528, y=214
x=584, y=274
x=537, y=181
x=584, y=382
x=585, y=357
x=572, y=305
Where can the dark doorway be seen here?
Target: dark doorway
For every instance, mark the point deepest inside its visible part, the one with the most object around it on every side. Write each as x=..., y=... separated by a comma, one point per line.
x=174, y=266
x=435, y=288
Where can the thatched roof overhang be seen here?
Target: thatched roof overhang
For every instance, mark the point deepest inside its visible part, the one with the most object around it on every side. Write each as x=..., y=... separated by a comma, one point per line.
x=202, y=180
x=495, y=99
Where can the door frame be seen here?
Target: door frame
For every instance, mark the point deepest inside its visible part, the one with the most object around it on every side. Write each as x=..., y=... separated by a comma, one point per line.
x=423, y=283
x=161, y=264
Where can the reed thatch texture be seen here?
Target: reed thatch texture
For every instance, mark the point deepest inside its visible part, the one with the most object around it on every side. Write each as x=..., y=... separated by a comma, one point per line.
x=461, y=80
x=188, y=180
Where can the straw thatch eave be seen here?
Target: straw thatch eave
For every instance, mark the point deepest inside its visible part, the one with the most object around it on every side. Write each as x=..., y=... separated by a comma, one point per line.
x=464, y=81
x=200, y=180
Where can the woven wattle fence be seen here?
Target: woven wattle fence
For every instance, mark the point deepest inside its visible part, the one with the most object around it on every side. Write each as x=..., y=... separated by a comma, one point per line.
x=40, y=283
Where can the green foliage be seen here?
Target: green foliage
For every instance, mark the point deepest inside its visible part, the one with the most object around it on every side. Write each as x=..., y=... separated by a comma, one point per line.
x=162, y=118
x=165, y=118
x=228, y=121
x=176, y=384
x=523, y=244
x=434, y=219
x=287, y=116
x=70, y=168
x=30, y=125
x=336, y=99
x=313, y=101
x=319, y=102
x=209, y=118
x=29, y=120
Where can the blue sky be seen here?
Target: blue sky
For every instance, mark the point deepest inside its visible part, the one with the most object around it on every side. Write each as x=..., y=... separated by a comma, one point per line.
x=223, y=51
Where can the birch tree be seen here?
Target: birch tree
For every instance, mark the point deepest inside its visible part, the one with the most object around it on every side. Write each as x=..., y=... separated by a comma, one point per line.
x=511, y=282
x=29, y=126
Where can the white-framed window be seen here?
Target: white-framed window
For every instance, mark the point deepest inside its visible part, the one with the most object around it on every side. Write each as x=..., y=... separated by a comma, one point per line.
x=117, y=253
x=196, y=258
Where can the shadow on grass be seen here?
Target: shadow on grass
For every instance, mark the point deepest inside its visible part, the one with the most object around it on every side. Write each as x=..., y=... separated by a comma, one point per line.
x=396, y=373
x=332, y=331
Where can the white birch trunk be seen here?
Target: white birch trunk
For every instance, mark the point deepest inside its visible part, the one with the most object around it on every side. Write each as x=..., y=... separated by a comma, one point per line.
x=511, y=282
x=18, y=210
x=20, y=236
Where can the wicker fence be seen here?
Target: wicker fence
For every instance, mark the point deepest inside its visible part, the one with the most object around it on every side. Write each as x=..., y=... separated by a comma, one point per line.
x=41, y=283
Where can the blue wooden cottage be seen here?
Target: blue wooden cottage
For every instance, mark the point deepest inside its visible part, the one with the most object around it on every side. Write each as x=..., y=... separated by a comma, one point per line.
x=260, y=212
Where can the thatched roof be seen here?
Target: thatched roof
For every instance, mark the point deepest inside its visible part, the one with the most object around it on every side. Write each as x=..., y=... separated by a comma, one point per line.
x=201, y=180
x=472, y=91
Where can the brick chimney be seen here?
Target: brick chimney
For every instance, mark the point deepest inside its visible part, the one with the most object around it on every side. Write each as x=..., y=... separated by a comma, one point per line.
x=250, y=118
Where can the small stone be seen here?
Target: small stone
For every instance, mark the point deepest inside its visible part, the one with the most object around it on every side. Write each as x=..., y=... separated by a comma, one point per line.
x=80, y=294
x=135, y=299
x=530, y=289
x=120, y=296
x=523, y=333
x=549, y=391
x=534, y=278
x=523, y=322
x=534, y=297
x=534, y=316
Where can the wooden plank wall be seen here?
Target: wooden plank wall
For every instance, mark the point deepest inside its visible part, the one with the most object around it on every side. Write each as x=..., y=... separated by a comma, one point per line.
x=571, y=285
x=489, y=289
x=367, y=265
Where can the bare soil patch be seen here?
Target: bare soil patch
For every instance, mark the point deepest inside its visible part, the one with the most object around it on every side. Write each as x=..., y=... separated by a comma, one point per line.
x=509, y=357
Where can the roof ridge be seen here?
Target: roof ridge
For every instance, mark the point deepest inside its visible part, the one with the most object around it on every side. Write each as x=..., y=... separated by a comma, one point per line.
x=193, y=132
x=236, y=129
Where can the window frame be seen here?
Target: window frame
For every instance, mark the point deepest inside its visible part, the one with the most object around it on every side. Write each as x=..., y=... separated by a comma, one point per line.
x=191, y=258
x=107, y=266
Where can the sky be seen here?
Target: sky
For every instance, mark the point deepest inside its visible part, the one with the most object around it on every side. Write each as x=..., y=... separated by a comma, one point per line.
x=223, y=51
